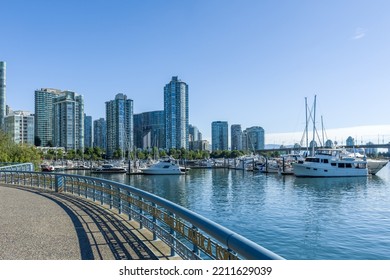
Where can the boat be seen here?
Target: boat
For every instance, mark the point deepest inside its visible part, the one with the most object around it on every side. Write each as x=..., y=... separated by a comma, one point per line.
x=167, y=166
x=286, y=163
x=47, y=168
x=331, y=162
x=375, y=165
x=109, y=168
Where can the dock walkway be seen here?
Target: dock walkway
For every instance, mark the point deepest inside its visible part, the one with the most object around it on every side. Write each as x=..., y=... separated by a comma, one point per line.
x=43, y=225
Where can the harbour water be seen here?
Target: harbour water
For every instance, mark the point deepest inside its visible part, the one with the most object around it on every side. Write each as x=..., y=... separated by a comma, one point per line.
x=297, y=218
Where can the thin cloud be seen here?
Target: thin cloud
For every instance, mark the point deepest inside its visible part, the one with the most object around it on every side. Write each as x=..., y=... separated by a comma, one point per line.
x=359, y=33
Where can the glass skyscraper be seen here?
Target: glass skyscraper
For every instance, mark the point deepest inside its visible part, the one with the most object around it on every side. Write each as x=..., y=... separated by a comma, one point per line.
x=68, y=121
x=219, y=136
x=87, y=131
x=100, y=133
x=149, y=130
x=253, y=138
x=2, y=92
x=119, y=116
x=176, y=114
x=44, y=116
x=236, y=137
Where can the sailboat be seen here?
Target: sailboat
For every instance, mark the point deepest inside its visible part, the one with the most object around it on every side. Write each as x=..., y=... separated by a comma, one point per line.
x=329, y=162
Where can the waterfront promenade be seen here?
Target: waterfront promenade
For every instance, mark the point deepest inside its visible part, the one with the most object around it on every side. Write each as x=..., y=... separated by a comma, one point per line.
x=42, y=225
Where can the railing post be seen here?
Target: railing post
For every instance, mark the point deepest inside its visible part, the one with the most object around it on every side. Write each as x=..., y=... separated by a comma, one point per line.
x=154, y=219
x=119, y=202
x=173, y=234
x=129, y=205
x=102, y=194
x=110, y=196
x=59, y=183
x=141, y=226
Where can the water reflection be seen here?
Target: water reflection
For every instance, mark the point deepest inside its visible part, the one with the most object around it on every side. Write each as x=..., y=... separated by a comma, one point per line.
x=298, y=218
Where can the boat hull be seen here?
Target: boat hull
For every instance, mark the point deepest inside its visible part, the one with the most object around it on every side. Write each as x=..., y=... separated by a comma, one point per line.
x=374, y=166
x=304, y=170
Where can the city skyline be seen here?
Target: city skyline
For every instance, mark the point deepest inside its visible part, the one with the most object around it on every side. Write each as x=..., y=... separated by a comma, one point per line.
x=247, y=64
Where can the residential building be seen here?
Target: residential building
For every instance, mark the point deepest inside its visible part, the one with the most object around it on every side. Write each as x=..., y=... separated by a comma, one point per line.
x=201, y=145
x=120, y=128
x=68, y=121
x=2, y=92
x=149, y=130
x=88, y=131
x=254, y=139
x=194, y=137
x=236, y=137
x=19, y=125
x=44, y=116
x=176, y=114
x=219, y=136
x=100, y=134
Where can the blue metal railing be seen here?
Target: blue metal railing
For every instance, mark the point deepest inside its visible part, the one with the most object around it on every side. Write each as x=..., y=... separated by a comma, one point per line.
x=189, y=235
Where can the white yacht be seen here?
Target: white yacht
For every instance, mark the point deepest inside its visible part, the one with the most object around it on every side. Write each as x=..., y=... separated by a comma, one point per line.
x=166, y=166
x=331, y=163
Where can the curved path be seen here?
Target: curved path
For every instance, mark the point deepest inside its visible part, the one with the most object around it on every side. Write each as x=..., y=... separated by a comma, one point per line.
x=43, y=225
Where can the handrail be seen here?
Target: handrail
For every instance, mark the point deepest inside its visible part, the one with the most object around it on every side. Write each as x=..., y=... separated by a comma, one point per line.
x=189, y=234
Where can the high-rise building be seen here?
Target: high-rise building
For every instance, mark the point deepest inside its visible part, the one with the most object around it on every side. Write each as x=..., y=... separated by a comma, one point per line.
x=253, y=139
x=44, y=116
x=219, y=136
x=236, y=137
x=19, y=125
x=2, y=92
x=87, y=131
x=68, y=121
x=100, y=133
x=149, y=130
x=194, y=137
x=119, y=116
x=176, y=114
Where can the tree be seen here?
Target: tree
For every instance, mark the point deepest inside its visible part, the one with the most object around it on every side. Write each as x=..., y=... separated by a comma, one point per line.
x=18, y=153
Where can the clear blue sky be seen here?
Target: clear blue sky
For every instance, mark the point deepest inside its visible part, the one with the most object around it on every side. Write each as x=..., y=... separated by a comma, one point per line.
x=246, y=62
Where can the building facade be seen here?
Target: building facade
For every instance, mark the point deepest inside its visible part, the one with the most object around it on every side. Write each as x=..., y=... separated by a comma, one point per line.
x=88, y=131
x=120, y=127
x=2, y=92
x=219, y=136
x=68, y=121
x=100, y=134
x=176, y=114
x=254, y=139
x=195, y=137
x=149, y=130
x=19, y=125
x=236, y=137
x=44, y=116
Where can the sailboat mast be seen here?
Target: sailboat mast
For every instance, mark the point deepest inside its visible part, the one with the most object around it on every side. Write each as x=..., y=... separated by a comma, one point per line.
x=314, y=124
x=322, y=127
x=306, y=128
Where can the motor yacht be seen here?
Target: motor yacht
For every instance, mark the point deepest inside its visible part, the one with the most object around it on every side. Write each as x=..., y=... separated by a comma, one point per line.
x=331, y=163
x=109, y=168
x=166, y=166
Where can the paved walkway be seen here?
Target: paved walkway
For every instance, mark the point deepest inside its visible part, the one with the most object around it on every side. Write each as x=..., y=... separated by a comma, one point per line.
x=41, y=225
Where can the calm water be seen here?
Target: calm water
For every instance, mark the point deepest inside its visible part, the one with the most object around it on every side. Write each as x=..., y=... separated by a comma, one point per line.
x=297, y=218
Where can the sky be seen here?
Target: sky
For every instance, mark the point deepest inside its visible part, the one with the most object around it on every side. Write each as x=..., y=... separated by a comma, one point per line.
x=248, y=62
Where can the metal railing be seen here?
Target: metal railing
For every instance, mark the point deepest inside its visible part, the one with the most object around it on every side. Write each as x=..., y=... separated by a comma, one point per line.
x=188, y=234
x=16, y=166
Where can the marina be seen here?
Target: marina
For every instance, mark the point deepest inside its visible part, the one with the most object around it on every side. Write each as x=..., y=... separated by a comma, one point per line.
x=345, y=218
